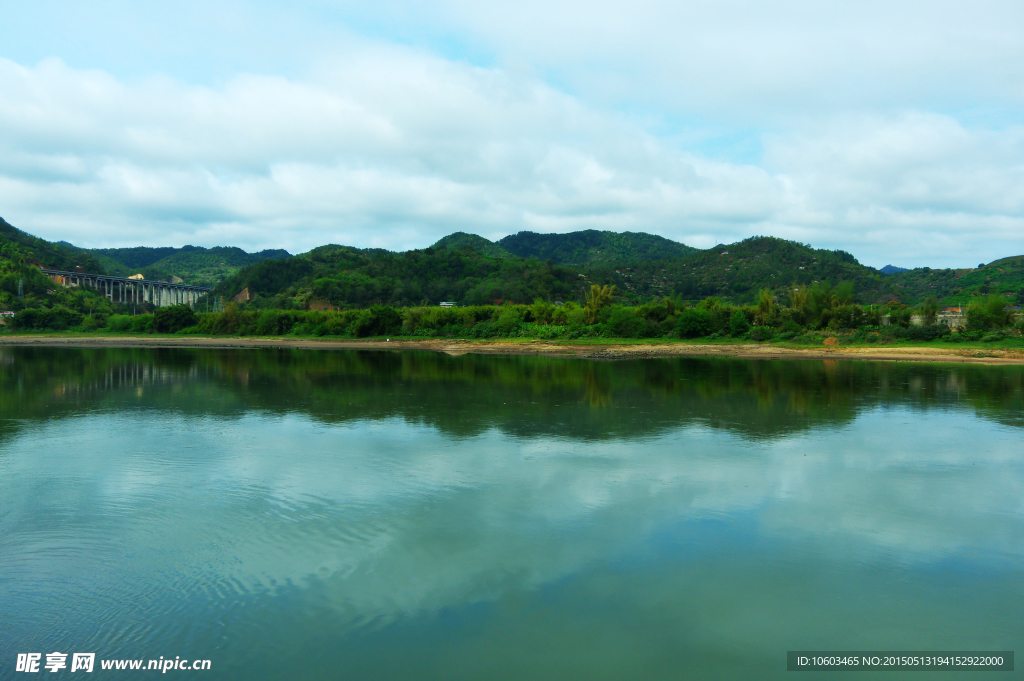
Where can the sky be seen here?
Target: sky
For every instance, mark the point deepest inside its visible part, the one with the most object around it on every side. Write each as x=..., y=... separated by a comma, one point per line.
x=893, y=130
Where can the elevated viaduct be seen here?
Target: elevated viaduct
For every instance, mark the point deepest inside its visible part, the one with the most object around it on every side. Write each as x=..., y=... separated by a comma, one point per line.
x=128, y=291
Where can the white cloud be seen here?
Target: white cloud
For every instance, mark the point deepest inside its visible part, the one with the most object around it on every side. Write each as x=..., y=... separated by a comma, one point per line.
x=392, y=147
x=921, y=185
x=749, y=61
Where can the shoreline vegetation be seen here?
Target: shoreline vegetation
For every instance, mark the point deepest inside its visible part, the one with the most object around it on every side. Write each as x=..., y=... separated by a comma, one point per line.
x=818, y=321
x=599, y=349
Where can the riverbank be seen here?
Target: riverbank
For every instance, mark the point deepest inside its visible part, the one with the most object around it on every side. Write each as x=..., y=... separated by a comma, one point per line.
x=589, y=349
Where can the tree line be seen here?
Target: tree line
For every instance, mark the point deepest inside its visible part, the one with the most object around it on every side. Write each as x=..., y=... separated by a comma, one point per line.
x=804, y=313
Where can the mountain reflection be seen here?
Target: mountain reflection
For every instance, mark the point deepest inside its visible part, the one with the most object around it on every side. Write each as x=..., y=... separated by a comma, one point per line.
x=370, y=489
x=522, y=396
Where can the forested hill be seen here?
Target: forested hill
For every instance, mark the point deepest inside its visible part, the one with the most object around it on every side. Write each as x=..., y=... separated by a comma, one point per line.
x=738, y=271
x=15, y=244
x=195, y=264
x=341, y=276
x=469, y=269
x=956, y=287
x=591, y=247
x=477, y=243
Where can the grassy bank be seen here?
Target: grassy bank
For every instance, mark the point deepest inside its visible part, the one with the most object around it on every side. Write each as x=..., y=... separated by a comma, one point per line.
x=1013, y=342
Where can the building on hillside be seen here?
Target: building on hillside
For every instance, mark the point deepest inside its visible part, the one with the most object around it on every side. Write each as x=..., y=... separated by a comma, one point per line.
x=953, y=317
x=448, y=304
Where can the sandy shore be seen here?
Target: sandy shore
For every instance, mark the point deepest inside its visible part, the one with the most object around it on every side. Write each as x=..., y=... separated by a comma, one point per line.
x=588, y=350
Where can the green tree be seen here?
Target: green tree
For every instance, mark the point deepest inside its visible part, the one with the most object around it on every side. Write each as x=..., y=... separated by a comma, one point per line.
x=738, y=323
x=929, y=309
x=901, y=317
x=624, y=323
x=694, y=323
x=541, y=311
x=174, y=318
x=598, y=298
x=379, y=320
x=843, y=294
x=988, y=312
x=767, y=308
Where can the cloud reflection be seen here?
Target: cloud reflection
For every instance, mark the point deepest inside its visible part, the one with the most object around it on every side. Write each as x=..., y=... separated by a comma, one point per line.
x=390, y=519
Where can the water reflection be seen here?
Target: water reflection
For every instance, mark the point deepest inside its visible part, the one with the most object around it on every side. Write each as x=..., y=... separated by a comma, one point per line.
x=348, y=504
x=524, y=396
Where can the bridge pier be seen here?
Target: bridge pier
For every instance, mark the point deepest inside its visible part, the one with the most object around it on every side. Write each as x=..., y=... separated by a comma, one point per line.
x=125, y=291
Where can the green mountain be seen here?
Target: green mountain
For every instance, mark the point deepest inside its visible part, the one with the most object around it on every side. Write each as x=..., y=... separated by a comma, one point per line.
x=470, y=269
x=341, y=276
x=738, y=271
x=349, y=277
x=477, y=243
x=194, y=264
x=956, y=287
x=22, y=285
x=591, y=247
x=15, y=243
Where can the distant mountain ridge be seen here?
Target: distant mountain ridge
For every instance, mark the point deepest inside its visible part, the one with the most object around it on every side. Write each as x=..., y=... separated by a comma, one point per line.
x=739, y=271
x=42, y=252
x=477, y=243
x=519, y=267
x=593, y=247
x=145, y=256
x=195, y=264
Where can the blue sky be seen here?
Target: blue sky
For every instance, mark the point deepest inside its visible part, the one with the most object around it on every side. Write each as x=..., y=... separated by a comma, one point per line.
x=890, y=129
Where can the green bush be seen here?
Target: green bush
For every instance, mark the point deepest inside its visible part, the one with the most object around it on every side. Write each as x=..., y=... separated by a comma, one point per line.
x=92, y=324
x=901, y=318
x=963, y=336
x=142, y=323
x=623, y=322
x=989, y=312
x=739, y=325
x=275, y=322
x=119, y=322
x=379, y=320
x=761, y=333
x=541, y=311
x=507, y=321
x=846, y=317
x=174, y=318
x=694, y=323
x=791, y=327
x=927, y=333
x=52, y=319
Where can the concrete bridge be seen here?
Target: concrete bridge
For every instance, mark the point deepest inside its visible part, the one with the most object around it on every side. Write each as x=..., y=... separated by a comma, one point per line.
x=128, y=291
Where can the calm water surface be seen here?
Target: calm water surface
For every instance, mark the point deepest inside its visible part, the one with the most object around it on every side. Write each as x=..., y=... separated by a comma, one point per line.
x=373, y=515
